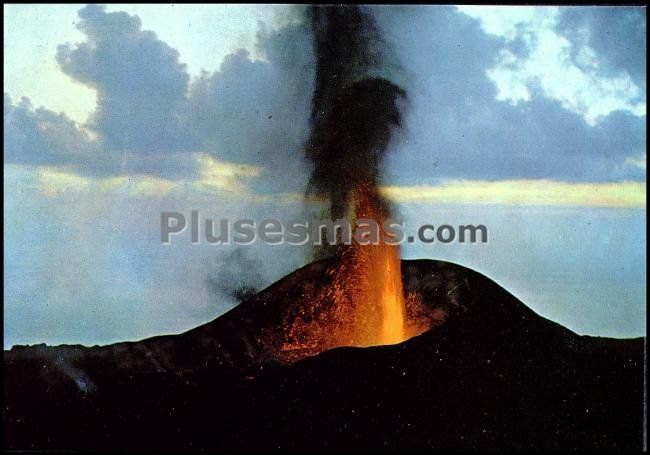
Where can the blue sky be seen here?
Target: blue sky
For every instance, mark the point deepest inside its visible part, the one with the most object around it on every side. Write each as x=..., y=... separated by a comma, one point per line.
x=530, y=120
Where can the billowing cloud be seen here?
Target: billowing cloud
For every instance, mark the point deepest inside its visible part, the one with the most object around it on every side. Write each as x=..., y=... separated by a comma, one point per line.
x=140, y=83
x=571, y=72
x=457, y=128
x=44, y=137
x=151, y=119
x=473, y=113
x=257, y=111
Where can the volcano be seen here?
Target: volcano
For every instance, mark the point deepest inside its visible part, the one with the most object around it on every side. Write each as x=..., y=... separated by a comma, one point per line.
x=487, y=373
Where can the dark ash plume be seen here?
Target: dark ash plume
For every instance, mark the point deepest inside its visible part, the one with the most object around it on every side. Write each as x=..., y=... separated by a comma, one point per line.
x=354, y=108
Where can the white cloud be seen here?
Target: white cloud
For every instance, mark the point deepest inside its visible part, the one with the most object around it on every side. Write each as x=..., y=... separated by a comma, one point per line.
x=576, y=82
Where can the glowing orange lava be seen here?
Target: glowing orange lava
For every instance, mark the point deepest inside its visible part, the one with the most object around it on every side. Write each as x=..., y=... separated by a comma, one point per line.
x=371, y=279
x=363, y=302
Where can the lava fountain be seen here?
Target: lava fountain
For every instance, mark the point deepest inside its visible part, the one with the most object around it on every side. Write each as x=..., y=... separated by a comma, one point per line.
x=371, y=275
x=355, y=109
x=362, y=300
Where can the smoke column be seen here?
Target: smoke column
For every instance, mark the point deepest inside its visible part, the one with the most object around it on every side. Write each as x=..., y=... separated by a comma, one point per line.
x=354, y=109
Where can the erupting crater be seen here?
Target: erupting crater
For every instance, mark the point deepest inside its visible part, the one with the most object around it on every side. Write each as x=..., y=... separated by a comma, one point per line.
x=364, y=303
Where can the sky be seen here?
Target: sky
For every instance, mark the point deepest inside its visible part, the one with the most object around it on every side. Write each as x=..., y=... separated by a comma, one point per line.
x=529, y=120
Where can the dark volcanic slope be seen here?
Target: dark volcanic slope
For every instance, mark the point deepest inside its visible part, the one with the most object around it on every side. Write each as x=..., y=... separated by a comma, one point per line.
x=494, y=375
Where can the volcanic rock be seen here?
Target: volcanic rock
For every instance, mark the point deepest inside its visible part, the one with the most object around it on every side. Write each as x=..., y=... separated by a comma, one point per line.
x=492, y=375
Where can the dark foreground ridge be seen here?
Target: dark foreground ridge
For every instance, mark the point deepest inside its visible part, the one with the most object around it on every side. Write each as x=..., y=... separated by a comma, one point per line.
x=494, y=375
